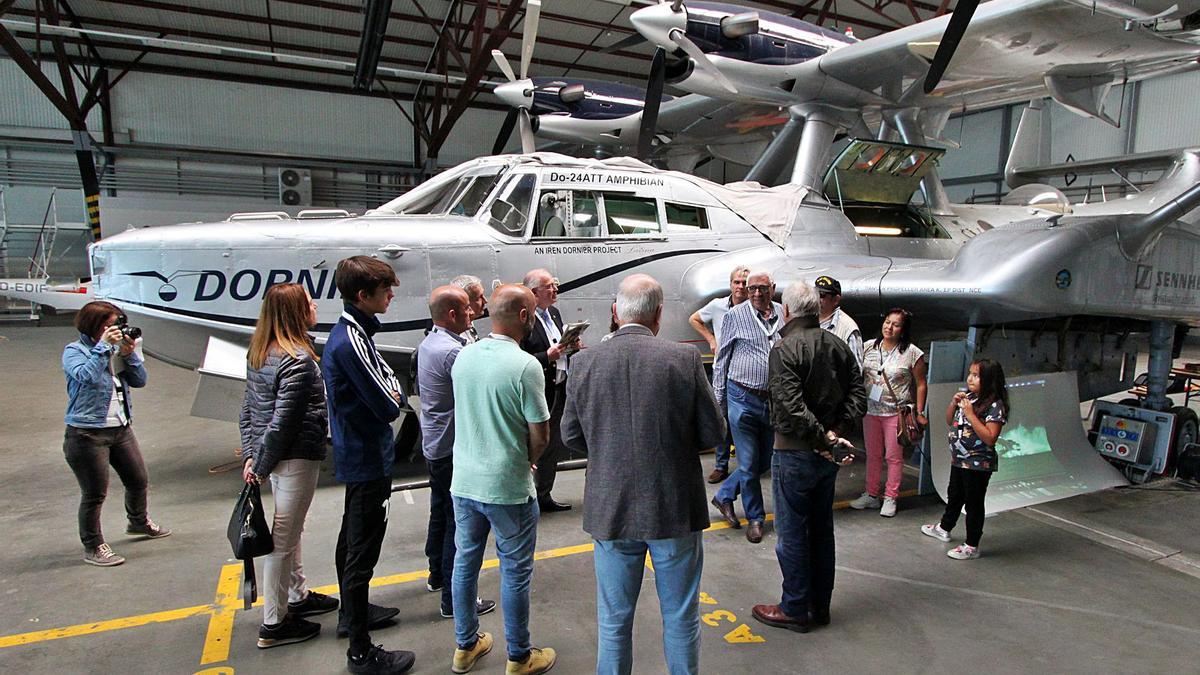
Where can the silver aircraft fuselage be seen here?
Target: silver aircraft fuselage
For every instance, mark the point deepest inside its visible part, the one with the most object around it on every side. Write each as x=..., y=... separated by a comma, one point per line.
x=593, y=223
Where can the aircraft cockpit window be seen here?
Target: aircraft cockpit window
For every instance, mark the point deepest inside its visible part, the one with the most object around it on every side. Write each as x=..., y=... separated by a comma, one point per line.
x=510, y=210
x=629, y=215
x=475, y=193
x=869, y=158
x=567, y=213
x=685, y=218
x=461, y=195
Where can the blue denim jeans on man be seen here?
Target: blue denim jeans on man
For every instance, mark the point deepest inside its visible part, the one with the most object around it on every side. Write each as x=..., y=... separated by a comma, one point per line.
x=620, y=564
x=515, y=527
x=753, y=436
x=803, y=487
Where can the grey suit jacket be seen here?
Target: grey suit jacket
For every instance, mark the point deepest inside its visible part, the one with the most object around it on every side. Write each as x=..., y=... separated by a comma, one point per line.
x=642, y=409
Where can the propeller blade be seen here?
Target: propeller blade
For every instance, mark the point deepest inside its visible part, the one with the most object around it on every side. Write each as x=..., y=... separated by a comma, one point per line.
x=506, y=129
x=950, y=39
x=698, y=56
x=528, y=144
x=654, y=91
x=502, y=62
x=624, y=43
x=533, y=10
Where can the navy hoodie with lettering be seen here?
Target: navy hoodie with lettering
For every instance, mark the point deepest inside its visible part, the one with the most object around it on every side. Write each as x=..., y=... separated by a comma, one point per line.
x=359, y=385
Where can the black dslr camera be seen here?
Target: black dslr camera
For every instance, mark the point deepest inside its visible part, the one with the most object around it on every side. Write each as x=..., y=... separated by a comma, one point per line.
x=131, y=332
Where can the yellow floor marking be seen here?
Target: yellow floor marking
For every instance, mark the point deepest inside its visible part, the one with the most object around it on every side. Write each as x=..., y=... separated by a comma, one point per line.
x=197, y=610
x=224, y=607
x=649, y=562
x=103, y=626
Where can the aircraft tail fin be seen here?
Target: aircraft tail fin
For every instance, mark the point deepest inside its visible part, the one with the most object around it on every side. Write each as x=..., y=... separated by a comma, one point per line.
x=1031, y=145
x=1137, y=235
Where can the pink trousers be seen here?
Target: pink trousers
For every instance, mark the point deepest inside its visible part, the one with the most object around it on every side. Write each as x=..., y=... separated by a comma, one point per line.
x=879, y=435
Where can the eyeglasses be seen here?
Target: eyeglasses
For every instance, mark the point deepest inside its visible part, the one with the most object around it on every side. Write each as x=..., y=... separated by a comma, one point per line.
x=761, y=288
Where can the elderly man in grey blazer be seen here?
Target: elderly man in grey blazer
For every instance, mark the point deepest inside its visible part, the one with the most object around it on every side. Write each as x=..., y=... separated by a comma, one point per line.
x=645, y=486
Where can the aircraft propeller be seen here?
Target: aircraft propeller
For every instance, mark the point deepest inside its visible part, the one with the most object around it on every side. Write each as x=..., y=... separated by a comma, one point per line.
x=521, y=87
x=955, y=29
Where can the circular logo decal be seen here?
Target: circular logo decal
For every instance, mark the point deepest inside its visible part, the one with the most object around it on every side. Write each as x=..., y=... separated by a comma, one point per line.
x=168, y=292
x=1063, y=279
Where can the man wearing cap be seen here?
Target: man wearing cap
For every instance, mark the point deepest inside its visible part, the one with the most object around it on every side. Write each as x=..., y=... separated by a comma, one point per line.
x=834, y=320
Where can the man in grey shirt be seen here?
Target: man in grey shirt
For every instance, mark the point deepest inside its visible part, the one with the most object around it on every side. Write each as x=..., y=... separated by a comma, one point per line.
x=448, y=307
x=644, y=490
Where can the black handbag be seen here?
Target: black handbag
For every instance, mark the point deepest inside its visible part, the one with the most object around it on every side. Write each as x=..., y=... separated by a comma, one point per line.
x=250, y=537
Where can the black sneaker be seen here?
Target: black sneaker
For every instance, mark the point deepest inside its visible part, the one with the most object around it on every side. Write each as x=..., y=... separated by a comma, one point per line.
x=313, y=604
x=377, y=617
x=291, y=630
x=379, y=661
x=481, y=607
x=434, y=584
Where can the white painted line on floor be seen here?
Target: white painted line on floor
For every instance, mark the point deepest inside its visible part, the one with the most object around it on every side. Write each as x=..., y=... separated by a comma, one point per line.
x=1145, y=549
x=1117, y=619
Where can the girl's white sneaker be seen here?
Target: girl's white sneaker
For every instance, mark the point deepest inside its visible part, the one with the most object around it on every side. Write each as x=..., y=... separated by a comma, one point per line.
x=935, y=530
x=963, y=552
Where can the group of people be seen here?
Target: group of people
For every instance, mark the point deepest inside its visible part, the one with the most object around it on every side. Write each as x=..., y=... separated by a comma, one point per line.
x=790, y=380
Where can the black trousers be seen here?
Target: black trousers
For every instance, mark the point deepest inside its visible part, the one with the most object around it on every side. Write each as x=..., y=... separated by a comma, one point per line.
x=89, y=454
x=364, y=522
x=547, y=465
x=969, y=487
x=439, y=539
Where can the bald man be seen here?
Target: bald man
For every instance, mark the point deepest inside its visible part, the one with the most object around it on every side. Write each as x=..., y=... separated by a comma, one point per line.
x=451, y=314
x=501, y=428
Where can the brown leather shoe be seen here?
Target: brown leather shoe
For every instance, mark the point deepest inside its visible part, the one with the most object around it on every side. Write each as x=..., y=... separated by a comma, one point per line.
x=718, y=476
x=754, y=532
x=772, y=615
x=727, y=514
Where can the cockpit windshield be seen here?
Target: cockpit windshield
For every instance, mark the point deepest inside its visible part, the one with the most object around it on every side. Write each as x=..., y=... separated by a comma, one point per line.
x=448, y=194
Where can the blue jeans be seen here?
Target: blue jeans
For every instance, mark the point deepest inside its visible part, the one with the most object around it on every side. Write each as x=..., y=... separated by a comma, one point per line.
x=515, y=526
x=723, y=449
x=752, y=434
x=803, y=486
x=619, y=568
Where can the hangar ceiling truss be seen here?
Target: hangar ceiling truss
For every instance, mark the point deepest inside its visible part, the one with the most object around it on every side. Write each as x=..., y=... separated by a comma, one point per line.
x=431, y=57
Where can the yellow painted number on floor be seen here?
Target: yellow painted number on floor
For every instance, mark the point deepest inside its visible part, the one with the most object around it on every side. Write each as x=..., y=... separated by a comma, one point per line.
x=712, y=618
x=742, y=634
x=706, y=599
x=219, y=670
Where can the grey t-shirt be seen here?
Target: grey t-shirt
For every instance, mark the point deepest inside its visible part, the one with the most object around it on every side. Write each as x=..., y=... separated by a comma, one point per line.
x=714, y=313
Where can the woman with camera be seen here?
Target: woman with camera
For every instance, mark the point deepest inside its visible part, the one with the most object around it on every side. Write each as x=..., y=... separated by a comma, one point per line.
x=894, y=372
x=283, y=427
x=101, y=367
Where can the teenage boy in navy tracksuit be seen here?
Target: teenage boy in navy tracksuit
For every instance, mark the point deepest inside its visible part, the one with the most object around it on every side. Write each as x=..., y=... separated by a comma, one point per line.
x=364, y=399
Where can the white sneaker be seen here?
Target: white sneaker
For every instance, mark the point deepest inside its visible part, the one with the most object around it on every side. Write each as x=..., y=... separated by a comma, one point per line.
x=888, y=509
x=102, y=556
x=866, y=501
x=963, y=552
x=935, y=530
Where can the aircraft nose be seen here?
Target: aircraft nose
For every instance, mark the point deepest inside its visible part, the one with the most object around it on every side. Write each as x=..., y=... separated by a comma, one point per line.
x=518, y=94
x=656, y=22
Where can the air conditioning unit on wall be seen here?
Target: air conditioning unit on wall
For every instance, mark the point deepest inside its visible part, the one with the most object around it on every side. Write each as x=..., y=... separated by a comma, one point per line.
x=295, y=186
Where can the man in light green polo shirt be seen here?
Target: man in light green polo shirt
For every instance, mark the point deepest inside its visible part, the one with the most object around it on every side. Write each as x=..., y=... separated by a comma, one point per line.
x=501, y=428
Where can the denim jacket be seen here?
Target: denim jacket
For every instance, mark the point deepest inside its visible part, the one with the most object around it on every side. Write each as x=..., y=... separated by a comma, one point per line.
x=90, y=384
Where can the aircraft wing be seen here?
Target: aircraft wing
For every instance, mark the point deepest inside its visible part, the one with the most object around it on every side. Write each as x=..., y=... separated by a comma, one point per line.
x=1070, y=50
x=63, y=298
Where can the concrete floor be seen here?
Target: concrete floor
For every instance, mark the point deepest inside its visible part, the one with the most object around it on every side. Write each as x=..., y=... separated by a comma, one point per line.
x=1086, y=585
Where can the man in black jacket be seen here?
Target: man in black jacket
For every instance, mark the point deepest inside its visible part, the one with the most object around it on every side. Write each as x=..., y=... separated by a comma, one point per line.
x=817, y=394
x=544, y=342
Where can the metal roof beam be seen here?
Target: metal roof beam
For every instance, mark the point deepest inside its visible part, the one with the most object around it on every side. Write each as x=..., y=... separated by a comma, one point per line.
x=375, y=21
x=160, y=69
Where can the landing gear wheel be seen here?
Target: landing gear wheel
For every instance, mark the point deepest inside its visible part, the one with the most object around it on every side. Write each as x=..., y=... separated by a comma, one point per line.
x=1187, y=430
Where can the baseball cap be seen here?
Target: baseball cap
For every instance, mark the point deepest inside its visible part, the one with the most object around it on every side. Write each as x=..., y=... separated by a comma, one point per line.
x=827, y=284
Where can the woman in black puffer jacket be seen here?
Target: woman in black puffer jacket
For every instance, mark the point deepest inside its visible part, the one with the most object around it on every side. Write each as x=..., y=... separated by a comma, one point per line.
x=283, y=427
